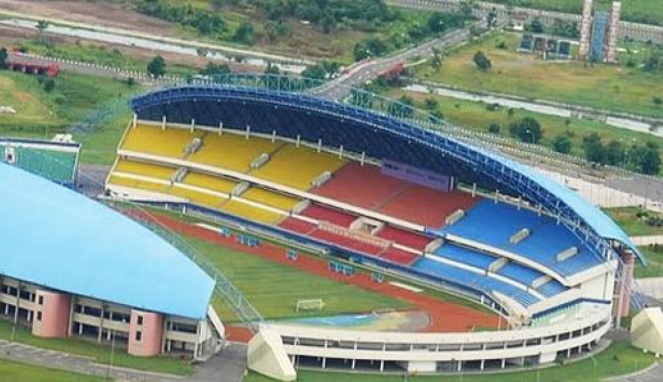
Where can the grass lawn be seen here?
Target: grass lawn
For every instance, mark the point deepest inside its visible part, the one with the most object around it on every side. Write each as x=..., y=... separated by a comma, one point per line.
x=100, y=352
x=19, y=372
x=644, y=11
x=631, y=224
x=42, y=115
x=612, y=87
x=475, y=116
x=654, y=263
x=618, y=359
x=274, y=288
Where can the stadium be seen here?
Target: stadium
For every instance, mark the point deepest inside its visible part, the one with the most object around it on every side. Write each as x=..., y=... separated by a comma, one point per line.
x=375, y=193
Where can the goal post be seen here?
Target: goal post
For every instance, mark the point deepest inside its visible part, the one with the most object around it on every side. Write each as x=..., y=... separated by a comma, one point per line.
x=312, y=304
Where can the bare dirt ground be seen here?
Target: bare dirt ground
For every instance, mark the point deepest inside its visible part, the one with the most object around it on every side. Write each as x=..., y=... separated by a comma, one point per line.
x=100, y=13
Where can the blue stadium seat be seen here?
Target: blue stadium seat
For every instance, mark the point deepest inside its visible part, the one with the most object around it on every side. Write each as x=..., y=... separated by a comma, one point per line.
x=465, y=256
x=546, y=240
x=551, y=288
x=519, y=273
x=473, y=280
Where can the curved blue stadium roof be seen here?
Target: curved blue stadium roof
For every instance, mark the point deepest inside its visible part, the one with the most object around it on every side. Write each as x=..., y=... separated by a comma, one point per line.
x=297, y=115
x=59, y=239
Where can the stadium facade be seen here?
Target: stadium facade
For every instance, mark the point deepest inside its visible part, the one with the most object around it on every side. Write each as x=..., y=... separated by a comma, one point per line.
x=70, y=266
x=393, y=196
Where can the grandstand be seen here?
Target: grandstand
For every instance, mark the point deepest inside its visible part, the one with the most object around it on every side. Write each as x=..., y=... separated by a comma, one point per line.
x=56, y=160
x=383, y=193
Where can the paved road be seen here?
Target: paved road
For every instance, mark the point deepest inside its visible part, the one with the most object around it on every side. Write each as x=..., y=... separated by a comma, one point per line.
x=368, y=70
x=227, y=366
x=651, y=374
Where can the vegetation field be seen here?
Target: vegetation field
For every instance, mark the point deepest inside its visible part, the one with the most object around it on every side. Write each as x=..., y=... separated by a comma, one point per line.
x=480, y=116
x=320, y=30
x=643, y=11
x=614, y=87
x=618, y=359
x=19, y=372
x=100, y=352
x=274, y=288
x=654, y=267
x=627, y=218
x=75, y=98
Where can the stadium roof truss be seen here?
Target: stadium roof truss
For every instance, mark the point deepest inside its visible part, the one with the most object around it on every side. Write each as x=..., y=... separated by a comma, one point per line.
x=380, y=135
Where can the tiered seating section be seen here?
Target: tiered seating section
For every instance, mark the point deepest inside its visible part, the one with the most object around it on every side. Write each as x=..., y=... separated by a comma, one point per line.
x=297, y=167
x=367, y=187
x=361, y=186
x=547, y=238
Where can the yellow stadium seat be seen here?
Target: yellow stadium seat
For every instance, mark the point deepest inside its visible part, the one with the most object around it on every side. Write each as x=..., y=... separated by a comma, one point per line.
x=249, y=212
x=170, y=142
x=145, y=169
x=232, y=151
x=270, y=198
x=138, y=184
x=209, y=182
x=298, y=166
x=196, y=197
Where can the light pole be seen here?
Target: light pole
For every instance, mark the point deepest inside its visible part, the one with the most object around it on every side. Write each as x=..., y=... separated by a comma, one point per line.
x=591, y=356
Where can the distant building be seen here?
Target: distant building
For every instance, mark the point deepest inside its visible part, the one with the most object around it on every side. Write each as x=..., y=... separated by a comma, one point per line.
x=598, y=33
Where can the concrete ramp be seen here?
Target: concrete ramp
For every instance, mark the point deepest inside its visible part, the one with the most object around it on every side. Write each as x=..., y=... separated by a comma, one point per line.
x=267, y=356
x=647, y=330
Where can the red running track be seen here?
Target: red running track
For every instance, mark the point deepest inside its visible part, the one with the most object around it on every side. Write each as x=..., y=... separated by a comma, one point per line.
x=445, y=316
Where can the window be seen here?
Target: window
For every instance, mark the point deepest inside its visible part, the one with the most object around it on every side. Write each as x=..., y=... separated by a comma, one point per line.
x=139, y=336
x=38, y=316
x=41, y=300
x=139, y=320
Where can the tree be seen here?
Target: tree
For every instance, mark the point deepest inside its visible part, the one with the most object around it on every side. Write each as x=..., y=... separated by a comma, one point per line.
x=654, y=61
x=245, y=34
x=48, y=84
x=482, y=61
x=527, y=130
x=615, y=152
x=316, y=71
x=375, y=47
x=494, y=128
x=645, y=158
x=3, y=58
x=436, y=60
x=437, y=22
x=657, y=100
x=41, y=27
x=157, y=67
x=594, y=148
x=431, y=103
x=213, y=69
x=402, y=107
x=536, y=26
x=360, y=52
x=272, y=69
x=562, y=144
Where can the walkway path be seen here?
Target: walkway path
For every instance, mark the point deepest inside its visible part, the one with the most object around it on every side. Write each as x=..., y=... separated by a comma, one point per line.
x=653, y=373
x=227, y=366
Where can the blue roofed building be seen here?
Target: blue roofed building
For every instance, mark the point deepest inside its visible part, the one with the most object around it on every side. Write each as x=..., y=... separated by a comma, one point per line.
x=72, y=266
